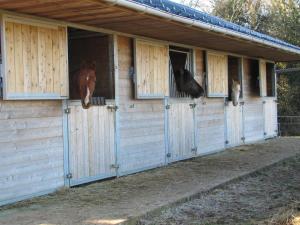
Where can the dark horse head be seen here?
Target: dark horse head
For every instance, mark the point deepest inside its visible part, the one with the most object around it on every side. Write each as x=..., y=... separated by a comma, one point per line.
x=186, y=83
x=84, y=82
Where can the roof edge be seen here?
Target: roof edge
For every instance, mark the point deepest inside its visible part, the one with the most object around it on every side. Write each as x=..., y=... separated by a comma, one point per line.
x=145, y=9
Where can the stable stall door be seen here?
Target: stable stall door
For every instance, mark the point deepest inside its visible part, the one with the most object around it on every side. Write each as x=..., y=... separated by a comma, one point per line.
x=234, y=125
x=270, y=114
x=91, y=143
x=181, y=131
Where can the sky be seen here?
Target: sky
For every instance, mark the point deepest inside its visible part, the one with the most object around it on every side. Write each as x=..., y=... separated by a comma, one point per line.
x=205, y=4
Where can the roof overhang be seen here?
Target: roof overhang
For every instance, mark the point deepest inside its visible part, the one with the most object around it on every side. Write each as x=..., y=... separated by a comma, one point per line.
x=141, y=20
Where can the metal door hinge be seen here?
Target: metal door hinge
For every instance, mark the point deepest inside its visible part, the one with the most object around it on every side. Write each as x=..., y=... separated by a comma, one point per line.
x=67, y=110
x=226, y=142
x=265, y=133
x=168, y=106
x=193, y=105
x=115, y=166
x=112, y=107
x=264, y=102
x=194, y=149
x=168, y=155
x=69, y=176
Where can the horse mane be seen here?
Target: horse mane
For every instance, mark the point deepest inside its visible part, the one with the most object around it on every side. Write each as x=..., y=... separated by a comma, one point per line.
x=185, y=82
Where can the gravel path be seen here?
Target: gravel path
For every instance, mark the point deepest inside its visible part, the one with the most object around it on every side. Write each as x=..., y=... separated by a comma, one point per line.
x=255, y=199
x=113, y=201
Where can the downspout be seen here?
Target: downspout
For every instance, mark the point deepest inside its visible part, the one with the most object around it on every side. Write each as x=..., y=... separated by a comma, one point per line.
x=193, y=23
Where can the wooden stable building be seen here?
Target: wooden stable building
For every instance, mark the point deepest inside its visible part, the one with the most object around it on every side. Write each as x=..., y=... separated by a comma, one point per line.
x=49, y=141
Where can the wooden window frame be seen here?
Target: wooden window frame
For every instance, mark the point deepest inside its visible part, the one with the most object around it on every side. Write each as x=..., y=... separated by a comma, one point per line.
x=191, y=64
x=241, y=73
x=274, y=81
x=137, y=77
x=4, y=18
x=215, y=95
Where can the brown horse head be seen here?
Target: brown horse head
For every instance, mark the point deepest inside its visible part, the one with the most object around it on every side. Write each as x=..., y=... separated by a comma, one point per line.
x=86, y=82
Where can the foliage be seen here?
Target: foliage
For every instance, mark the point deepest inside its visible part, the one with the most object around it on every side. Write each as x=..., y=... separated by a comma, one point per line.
x=248, y=13
x=288, y=95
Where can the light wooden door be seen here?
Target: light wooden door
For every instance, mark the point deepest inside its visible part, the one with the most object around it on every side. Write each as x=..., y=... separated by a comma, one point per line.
x=270, y=114
x=253, y=120
x=181, y=130
x=234, y=125
x=91, y=143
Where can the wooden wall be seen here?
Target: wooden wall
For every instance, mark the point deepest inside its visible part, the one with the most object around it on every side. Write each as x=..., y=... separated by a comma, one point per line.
x=151, y=69
x=217, y=75
x=200, y=67
x=263, y=78
x=210, y=125
x=31, y=148
x=141, y=121
x=36, y=61
x=209, y=115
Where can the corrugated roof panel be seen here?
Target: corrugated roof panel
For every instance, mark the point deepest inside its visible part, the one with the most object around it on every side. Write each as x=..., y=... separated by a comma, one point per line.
x=190, y=13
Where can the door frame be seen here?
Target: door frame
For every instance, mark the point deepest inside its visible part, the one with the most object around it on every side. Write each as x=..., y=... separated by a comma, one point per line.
x=168, y=102
x=113, y=46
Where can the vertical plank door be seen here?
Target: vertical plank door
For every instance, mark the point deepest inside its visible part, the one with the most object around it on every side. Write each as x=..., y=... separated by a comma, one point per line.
x=91, y=143
x=234, y=125
x=270, y=114
x=181, y=131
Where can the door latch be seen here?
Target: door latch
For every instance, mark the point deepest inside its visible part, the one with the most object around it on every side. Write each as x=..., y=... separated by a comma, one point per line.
x=112, y=108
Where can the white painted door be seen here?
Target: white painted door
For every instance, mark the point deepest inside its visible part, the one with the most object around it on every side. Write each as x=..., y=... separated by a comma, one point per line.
x=270, y=114
x=210, y=135
x=91, y=143
x=181, y=131
x=253, y=120
x=234, y=125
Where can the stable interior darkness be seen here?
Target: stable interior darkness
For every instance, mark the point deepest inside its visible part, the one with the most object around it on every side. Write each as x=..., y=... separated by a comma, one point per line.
x=254, y=77
x=92, y=46
x=270, y=73
x=180, y=58
x=234, y=73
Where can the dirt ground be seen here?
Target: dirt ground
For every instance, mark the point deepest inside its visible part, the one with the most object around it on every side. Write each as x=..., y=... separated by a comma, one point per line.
x=114, y=201
x=264, y=197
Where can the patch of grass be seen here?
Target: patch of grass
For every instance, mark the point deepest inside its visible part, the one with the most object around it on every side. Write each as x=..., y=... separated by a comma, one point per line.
x=289, y=215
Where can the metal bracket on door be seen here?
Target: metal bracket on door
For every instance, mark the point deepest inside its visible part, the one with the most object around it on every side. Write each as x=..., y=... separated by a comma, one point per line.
x=194, y=149
x=193, y=105
x=67, y=111
x=115, y=166
x=169, y=155
x=69, y=176
x=168, y=106
x=112, y=108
